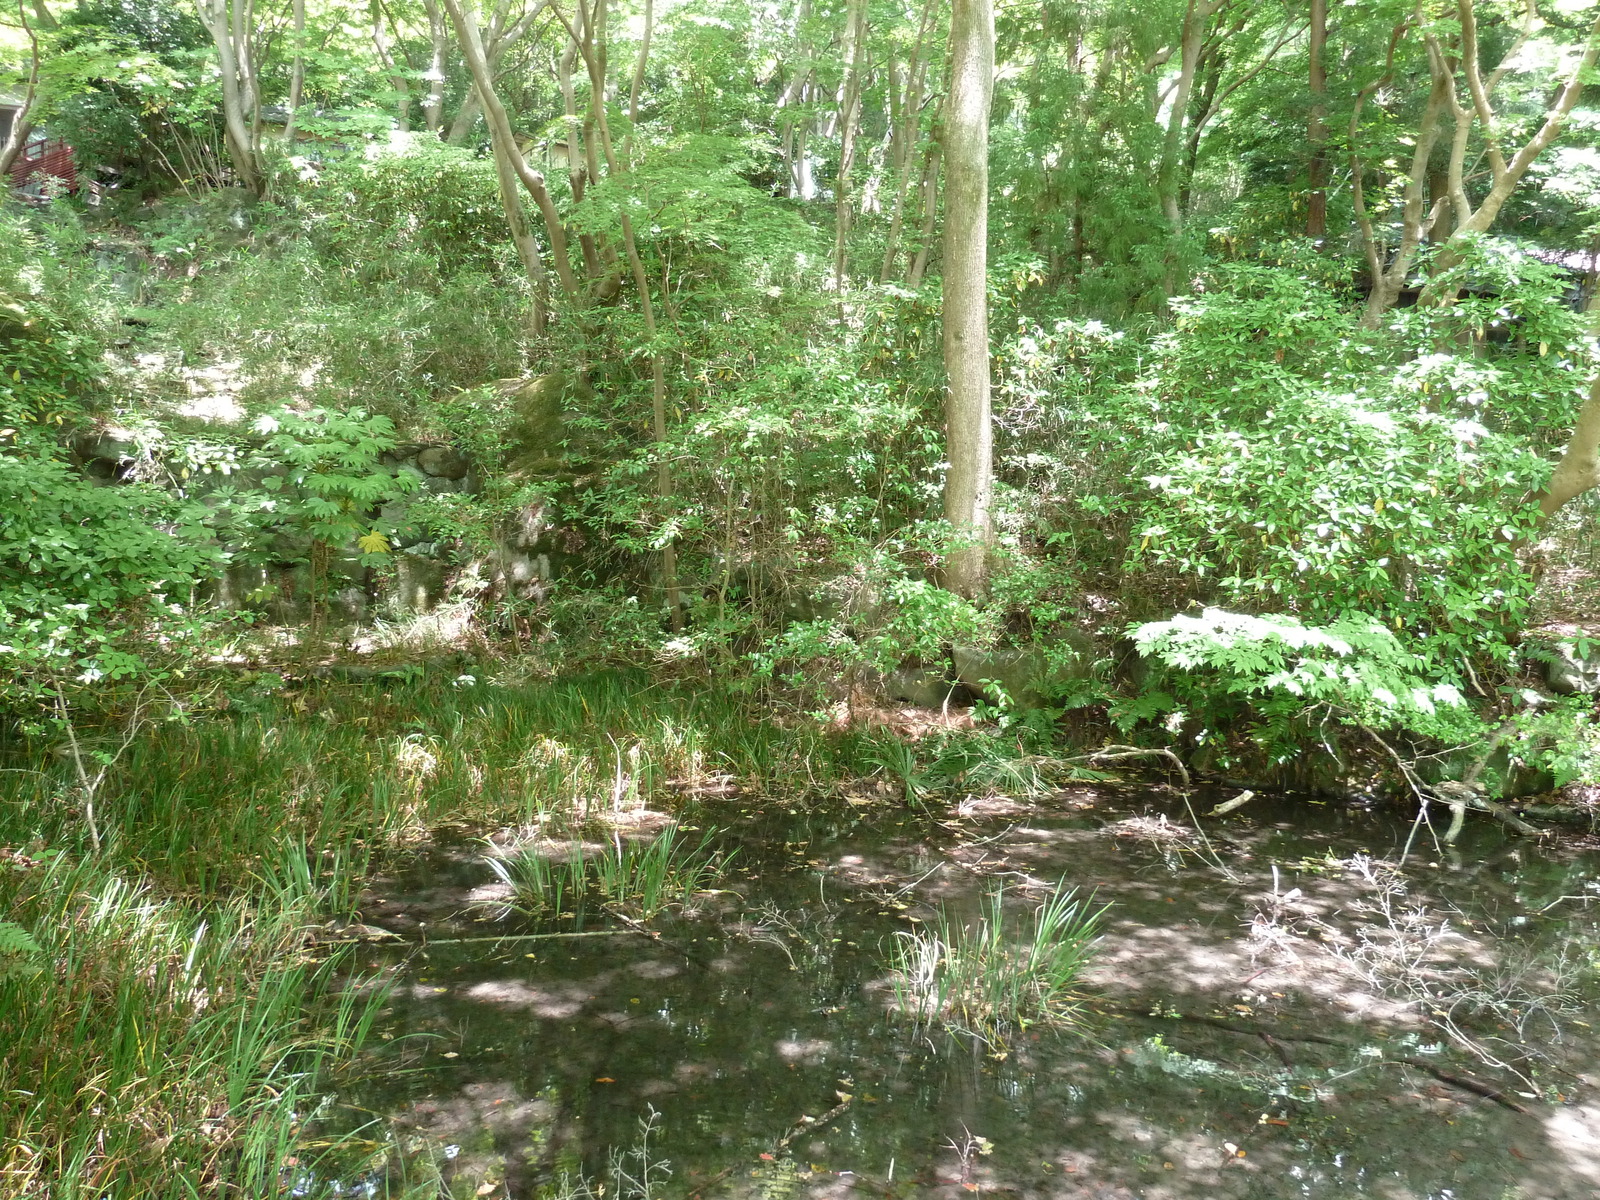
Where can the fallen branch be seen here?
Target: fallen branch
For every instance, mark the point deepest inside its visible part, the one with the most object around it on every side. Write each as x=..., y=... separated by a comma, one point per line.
x=1115, y=753
x=1464, y=1082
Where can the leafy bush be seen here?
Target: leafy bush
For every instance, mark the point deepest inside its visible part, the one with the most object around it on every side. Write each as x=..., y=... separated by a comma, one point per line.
x=1334, y=504
x=95, y=582
x=1279, y=674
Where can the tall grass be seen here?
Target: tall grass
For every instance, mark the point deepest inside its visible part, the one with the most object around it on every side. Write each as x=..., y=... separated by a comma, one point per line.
x=162, y=1031
x=158, y=1048
x=987, y=977
x=637, y=879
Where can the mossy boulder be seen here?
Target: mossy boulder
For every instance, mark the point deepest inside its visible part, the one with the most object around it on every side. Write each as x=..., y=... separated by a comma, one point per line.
x=538, y=427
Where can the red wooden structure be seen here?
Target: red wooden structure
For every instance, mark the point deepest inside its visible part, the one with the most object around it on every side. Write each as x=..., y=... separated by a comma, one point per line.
x=45, y=158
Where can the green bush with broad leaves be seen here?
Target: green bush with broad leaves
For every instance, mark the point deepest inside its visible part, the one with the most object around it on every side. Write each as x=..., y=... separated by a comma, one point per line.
x=1281, y=677
x=96, y=583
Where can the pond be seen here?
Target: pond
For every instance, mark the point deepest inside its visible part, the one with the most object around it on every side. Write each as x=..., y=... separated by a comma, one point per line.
x=1272, y=1011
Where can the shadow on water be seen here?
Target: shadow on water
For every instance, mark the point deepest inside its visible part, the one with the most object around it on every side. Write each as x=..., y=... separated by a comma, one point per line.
x=1244, y=1038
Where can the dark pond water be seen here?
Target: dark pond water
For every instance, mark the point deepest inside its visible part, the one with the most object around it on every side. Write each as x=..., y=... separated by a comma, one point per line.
x=1218, y=1061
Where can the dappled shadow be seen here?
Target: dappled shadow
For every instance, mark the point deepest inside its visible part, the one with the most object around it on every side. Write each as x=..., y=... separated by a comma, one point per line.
x=1220, y=1061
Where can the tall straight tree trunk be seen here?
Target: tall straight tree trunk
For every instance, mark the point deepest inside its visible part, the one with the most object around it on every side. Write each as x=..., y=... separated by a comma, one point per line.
x=297, y=73
x=1190, y=42
x=930, y=217
x=849, y=114
x=1317, y=125
x=438, y=39
x=905, y=145
x=969, y=433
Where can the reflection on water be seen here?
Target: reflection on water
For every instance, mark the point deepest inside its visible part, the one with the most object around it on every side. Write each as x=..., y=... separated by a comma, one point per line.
x=1245, y=1043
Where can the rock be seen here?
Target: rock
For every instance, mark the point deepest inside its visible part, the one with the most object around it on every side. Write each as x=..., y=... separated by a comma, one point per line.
x=538, y=429
x=108, y=454
x=922, y=686
x=434, y=485
x=1029, y=676
x=442, y=462
x=419, y=583
x=1572, y=674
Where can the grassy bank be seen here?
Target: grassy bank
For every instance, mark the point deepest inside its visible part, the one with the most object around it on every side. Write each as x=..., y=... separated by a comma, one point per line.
x=165, y=1024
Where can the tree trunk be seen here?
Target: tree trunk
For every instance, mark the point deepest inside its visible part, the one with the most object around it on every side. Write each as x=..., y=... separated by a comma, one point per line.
x=224, y=20
x=466, y=117
x=1579, y=468
x=1317, y=125
x=438, y=35
x=1190, y=43
x=968, y=429
x=905, y=145
x=1387, y=284
x=22, y=123
x=849, y=113
x=1506, y=176
x=297, y=74
x=508, y=158
x=930, y=216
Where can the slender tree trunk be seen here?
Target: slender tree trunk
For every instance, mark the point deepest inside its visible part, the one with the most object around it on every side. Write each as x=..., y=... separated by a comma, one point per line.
x=968, y=428
x=905, y=145
x=1190, y=43
x=1370, y=247
x=438, y=40
x=466, y=117
x=1579, y=468
x=930, y=216
x=1505, y=175
x=508, y=157
x=297, y=74
x=849, y=119
x=1388, y=283
x=22, y=123
x=1317, y=125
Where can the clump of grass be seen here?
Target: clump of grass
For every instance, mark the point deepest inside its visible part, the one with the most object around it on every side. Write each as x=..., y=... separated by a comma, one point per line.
x=985, y=977
x=155, y=1048
x=633, y=878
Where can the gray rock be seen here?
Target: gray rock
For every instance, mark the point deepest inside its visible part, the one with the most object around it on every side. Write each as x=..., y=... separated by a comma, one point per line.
x=111, y=448
x=440, y=485
x=443, y=462
x=1029, y=676
x=922, y=686
x=419, y=583
x=1572, y=674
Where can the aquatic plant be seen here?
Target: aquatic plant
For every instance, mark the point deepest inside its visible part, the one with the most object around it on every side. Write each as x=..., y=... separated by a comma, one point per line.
x=633, y=878
x=156, y=1049
x=985, y=977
